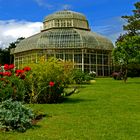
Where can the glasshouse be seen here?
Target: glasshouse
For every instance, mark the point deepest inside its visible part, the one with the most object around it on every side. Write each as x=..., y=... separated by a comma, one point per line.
x=66, y=35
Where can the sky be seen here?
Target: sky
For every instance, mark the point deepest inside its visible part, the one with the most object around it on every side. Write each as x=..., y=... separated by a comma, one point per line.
x=23, y=18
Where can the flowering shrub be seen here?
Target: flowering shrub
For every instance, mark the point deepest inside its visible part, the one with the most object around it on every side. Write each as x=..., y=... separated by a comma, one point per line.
x=12, y=83
x=47, y=81
x=92, y=74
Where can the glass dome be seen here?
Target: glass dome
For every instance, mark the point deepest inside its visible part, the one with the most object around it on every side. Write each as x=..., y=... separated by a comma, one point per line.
x=66, y=35
x=65, y=19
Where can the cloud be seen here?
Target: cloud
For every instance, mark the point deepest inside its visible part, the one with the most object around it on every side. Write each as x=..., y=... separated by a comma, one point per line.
x=10, y=30
x=66, y=6
x=44, y=4
x=111, y=28
x=52, y=5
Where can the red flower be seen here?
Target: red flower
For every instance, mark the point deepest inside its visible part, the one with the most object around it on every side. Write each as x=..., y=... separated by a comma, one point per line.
x=27, y=68
x=2, y=79
x=7, y=73
x=11, y=66
x=6, y=66
x=51, y=84
x=1, y=73
x=19, y=72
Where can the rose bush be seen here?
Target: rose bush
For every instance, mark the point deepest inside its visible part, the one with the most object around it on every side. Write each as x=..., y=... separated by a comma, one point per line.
x=12, y=82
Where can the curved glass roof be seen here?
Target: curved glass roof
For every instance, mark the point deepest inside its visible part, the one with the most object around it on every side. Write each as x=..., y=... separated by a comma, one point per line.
x=64, y=38
x=65, y=30
x=65, y=19
x=65, y=14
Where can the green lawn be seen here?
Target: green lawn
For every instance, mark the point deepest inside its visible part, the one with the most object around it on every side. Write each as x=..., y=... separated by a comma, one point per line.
x=104, y=110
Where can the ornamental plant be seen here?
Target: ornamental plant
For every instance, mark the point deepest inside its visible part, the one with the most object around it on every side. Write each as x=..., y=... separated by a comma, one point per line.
x=12, y=82
x=15, y=116
x=47, y=80
x=80, y=77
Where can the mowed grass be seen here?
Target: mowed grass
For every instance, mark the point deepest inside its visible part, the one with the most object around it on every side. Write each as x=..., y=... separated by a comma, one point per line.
x=104, y=110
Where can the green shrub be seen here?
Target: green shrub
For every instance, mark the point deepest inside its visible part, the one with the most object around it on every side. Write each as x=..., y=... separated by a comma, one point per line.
x=12, y=82
x=47, y=80
x=12, y=87
x=80, y=77
x=15, y=116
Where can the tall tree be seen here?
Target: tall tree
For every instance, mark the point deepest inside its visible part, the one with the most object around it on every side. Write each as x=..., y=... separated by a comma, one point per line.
x=5, y=56
x=128, y=45
x=133, y=21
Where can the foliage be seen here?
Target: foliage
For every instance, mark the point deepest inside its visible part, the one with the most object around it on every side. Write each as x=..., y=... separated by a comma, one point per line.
x=128, y=45
x=134, y=70
x=5, y=56
x=92, y=74
x=80, y=77
x=15, y=116
x=133, y=21
x=47, y=81
x=12, y=83
x=104, y=110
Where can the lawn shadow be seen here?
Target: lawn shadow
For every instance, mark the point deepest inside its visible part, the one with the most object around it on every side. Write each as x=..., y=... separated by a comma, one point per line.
x=74, y=100
x=130, y=82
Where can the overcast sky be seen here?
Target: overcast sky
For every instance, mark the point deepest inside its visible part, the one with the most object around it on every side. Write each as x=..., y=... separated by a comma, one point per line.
x=23, y=18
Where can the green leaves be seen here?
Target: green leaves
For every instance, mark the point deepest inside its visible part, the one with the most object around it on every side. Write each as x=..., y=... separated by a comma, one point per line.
x=133, y=21
x=15, y=116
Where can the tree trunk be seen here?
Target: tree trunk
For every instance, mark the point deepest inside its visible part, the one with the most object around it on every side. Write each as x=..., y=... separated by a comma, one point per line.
x=125, y=75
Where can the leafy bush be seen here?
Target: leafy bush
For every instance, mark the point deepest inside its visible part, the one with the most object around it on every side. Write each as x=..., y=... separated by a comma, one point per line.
x=134, y=70
x=12, y=83
x=117, y=75
x=92, y=74
x=80, y=77
x=47, y=80
x=12, y=87
x=15, y=116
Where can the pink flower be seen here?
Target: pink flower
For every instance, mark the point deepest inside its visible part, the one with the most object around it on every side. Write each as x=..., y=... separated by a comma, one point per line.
x=51, y=84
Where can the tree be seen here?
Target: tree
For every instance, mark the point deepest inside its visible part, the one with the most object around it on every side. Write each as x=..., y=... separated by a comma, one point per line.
x=133, y=21
x=128, y=45
x=5, y=56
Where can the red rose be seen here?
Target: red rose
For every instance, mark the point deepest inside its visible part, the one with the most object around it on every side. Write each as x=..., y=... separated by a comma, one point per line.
x=1, y=73
x=6, y=66
x=26, y=68
x=51, y=84
x=19, y=72
x=7, y=73
x=11, y=66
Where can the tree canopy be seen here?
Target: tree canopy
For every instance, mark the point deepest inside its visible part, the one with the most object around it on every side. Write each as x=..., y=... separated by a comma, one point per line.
x=5, y=57
x=128, y=45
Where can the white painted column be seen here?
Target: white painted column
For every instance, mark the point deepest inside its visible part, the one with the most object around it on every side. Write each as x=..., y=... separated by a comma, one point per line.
x=82, y=60
x=96, y=65
x=102, y=65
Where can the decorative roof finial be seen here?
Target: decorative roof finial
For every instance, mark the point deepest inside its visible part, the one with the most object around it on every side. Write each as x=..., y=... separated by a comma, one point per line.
x=66, y=7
